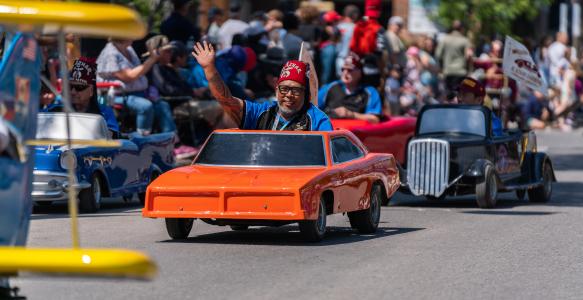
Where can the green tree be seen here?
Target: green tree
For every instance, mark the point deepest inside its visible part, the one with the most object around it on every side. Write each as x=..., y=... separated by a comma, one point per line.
x=153, y=11
x=486, y=17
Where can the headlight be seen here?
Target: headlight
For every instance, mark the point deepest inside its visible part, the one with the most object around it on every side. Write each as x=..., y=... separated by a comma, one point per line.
x=68, y=160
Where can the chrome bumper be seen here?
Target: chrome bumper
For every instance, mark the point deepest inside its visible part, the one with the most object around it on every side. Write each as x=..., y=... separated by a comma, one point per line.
x=53, y=186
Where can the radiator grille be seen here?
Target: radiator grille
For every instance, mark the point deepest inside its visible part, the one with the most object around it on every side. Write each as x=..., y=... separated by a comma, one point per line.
x=428, y=167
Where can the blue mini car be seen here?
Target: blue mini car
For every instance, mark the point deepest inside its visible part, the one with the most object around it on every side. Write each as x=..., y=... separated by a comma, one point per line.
x=100, y=171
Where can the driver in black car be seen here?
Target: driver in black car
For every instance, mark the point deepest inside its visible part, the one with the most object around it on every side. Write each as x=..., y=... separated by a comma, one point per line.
x=471, y=91
x=348, y=98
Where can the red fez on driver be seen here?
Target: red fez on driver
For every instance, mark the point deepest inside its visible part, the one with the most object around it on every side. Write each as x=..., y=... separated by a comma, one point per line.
x=83, y=71
x=294, y=70
x=470, y=85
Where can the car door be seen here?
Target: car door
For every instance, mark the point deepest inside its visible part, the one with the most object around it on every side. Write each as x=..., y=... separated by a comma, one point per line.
x=507, y=154
x=352, y=185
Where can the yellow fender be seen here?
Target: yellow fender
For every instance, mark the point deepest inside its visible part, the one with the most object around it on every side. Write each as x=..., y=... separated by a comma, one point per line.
x=77, y=262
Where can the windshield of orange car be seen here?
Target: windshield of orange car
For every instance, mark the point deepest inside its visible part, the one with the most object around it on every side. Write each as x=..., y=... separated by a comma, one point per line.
x=263, y=149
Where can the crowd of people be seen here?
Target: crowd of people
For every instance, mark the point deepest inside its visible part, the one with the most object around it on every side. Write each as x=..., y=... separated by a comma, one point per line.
x=366, y=71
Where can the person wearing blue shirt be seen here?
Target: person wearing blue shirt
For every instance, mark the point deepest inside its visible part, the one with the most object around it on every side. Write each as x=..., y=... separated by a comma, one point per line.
x=292, y=111
x=347, y=98
x=471, y=91
x=84, y=94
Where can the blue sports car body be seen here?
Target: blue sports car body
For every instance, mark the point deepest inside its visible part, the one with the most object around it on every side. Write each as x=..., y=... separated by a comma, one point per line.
x=100, y=171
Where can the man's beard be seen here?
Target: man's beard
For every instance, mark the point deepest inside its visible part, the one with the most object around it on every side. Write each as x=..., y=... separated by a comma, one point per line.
x=287, y=112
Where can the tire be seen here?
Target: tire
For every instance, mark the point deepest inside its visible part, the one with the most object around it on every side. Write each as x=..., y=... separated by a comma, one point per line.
x=90, y=198
x=367, y=220
x=239, y=227
x=542, y=194
x=520, y=194
x=385, y=201
x=142, y=196
x=487, y=190
x=178, y=229
x=314, y=230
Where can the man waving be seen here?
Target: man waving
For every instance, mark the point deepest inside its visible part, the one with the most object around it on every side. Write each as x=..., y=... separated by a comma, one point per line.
x=293, y=110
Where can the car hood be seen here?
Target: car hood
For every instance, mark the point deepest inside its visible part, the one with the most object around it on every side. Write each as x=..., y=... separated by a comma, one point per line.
x=240, y=178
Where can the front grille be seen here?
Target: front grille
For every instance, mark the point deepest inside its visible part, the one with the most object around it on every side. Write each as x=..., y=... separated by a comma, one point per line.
x=428, y=167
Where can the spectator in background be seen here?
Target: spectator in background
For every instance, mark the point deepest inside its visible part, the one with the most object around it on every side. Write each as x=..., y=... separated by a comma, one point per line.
x=216, y=18
x=347, y=98
x=351, y=15
x=536, y=111
x=327, y=47
x=274, y=28
x=232, y=26
x=430, y=68
x=309, y=29
x=290, y=40
x=453, y=52
x=257, y=38
x=541, y=57
x=119, y=62
x=393, y=91
x=163, y=75
x=557, y=54
x=396, y=47
x=177, y=27
x=368, y=37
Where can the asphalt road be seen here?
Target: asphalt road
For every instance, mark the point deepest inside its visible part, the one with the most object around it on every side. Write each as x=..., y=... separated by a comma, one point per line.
x=447, y=250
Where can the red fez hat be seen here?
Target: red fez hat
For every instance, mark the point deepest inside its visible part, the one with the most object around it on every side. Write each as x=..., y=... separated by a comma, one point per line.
x=372, y=8
x=470, y=85
x=83, y=71
x=294, y=70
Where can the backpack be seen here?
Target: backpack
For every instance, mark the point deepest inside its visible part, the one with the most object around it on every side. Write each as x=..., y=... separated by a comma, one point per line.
x=364, y=37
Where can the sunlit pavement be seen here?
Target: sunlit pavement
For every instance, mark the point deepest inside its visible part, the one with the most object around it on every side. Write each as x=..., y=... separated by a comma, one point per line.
x=443, y=250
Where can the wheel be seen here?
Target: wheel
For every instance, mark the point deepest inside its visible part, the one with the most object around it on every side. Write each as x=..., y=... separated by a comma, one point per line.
x=90, y=198
x=142, y=196
x=543, y=193
x=239, y=227
x=520, y=194
x=178, y=229
x=385, y=201
x=487, y=190
x=314, y=230
x=367, y=220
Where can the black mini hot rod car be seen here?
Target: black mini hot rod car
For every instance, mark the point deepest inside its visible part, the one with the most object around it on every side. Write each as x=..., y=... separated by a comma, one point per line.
x=454, y=152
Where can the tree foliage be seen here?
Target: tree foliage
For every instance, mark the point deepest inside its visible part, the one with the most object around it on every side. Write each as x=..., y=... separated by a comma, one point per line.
x=153, y=11
x=486, y=17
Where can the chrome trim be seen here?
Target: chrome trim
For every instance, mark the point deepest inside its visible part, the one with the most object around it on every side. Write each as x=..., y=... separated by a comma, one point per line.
x=51, y=186
x=428, y=167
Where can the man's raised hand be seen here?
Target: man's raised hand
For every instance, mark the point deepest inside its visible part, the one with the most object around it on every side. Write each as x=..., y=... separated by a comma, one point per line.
x=204, y=54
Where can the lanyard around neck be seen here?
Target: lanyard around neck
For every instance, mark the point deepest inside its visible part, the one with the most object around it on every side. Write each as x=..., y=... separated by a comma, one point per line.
x=276, y=122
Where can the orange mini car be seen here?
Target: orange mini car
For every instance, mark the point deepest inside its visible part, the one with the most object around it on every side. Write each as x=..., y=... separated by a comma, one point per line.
x=273, y=178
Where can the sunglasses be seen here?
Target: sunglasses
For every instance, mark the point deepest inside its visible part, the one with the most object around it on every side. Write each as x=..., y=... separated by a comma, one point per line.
x=79, y=88
x=284, y=89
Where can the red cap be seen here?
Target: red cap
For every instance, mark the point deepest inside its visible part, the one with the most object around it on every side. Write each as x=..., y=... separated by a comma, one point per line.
x=294, y=70
x=352, y=61
x=331, y=16
x=372, y=8
x=470, y=85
